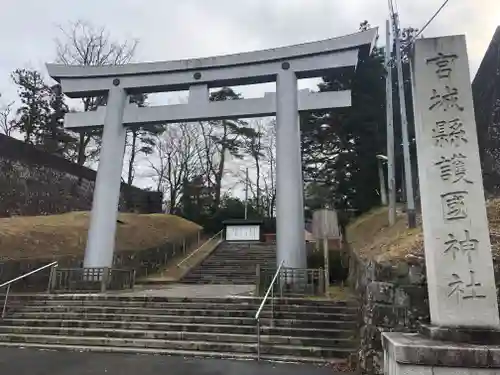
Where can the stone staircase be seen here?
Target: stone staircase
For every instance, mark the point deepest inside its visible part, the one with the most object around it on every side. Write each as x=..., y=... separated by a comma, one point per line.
x=233, y=263
x=303, y=330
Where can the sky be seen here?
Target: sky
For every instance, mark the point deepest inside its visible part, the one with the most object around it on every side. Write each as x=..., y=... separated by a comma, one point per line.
x=177, y=29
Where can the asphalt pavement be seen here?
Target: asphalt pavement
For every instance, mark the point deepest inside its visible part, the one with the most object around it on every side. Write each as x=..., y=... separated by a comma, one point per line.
x=19, y=361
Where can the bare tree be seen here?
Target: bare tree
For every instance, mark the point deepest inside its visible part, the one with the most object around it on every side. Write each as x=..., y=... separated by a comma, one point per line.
x=268, y=176
x=140, y=140
x=254, y=146
x=221, y=140
x=81, y=43
x=262, y=152
x=175, y=160
x=7, y=124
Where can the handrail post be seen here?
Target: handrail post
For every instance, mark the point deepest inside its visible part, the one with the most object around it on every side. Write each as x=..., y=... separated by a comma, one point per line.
x=5, y=301
x=258, y=339
x=51, y=278
x=257, y=276
x=54, y=279
x=104, y=279
x=272, y=305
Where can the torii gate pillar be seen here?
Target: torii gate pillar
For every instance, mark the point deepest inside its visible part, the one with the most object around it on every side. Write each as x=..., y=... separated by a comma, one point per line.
x=289, y=186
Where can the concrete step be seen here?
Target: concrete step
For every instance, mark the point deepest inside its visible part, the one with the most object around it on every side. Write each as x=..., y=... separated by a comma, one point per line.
x=240, y=305
x=204, y=346
x=236, y=267
x=218, y=281
x=238, y=321
x=223, y=279
x=298, y=315
x=182, y=327
x=229, y=273
x=180, y=335
x=86, y=297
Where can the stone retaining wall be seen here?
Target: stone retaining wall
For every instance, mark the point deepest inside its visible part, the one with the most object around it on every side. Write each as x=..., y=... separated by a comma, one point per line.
x=33, y=182
x=393, y=298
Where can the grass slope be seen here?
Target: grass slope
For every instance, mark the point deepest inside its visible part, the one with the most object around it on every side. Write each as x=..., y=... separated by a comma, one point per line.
x=371, y=237
x=54, y=236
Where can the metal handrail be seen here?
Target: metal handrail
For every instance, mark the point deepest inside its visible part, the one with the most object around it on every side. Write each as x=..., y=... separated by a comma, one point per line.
x=10, y=282
x=270, y=290
x=204, y=243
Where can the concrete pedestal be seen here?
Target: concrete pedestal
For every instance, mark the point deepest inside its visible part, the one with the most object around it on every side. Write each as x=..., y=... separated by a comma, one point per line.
x=415, y=354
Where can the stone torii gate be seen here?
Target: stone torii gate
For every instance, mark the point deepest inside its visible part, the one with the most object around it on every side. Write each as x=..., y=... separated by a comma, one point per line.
x=283, y=65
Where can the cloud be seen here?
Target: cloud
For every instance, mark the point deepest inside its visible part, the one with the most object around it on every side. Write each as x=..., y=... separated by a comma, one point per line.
x=169, y=29
x=176, y=29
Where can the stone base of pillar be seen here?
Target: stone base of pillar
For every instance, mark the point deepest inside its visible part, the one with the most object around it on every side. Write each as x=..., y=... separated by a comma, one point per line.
x=416, y=354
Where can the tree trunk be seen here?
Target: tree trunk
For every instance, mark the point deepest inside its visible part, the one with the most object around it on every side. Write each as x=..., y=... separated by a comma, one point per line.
x=130, y=177
x=81, y=149
x=218, y=181
x=173, y=198
x=257, y=195
x=220, y=171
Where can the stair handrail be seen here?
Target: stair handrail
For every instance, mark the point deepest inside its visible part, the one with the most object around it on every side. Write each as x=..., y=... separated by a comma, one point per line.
x=10, y=282
x=203, y=244
x=270, y=290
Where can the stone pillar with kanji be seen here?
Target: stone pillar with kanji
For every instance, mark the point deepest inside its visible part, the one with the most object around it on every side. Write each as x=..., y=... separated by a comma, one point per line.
x=463, y=333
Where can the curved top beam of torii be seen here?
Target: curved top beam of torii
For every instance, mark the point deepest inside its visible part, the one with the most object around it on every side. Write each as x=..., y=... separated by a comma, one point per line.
x=352, y=41
x=307, y=60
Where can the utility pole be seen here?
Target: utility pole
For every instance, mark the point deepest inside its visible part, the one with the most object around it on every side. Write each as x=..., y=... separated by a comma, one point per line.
x=391, y=175
x=246, y=194
x=410, y=199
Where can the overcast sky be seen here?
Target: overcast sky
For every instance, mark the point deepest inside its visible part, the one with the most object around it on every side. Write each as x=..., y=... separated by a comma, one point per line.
x=176, y=29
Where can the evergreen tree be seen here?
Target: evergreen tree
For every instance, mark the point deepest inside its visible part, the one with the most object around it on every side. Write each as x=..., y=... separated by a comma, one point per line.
x=224, y=138
x=140, y=139
x=340, y=147
x=34, y=111
x=53, y=138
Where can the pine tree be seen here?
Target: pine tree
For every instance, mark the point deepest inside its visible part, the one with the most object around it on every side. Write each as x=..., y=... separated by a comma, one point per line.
x=229, y=138
x=52, y=137
x=34, y=111
x=140, y=139
x=339, y=147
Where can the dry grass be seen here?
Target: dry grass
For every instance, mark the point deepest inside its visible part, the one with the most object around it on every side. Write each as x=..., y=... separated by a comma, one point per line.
x=371, y=237
x=55, y=236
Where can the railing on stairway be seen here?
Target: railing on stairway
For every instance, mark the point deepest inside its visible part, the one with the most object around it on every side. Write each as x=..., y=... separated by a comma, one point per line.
x=8, y=284
x=218, y=237
x=296, y=281
x=92, y=279
x=270, y=291
x=170, y=251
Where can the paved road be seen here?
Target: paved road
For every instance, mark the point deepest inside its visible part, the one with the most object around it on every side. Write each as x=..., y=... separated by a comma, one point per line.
x=15, y=361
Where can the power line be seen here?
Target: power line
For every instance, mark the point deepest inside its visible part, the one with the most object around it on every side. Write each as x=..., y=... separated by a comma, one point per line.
x=428, y=22
x=409, y=44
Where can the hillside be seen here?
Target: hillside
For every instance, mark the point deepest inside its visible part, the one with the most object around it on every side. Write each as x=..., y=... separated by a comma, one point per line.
x=54, y=236
x=371, y=238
